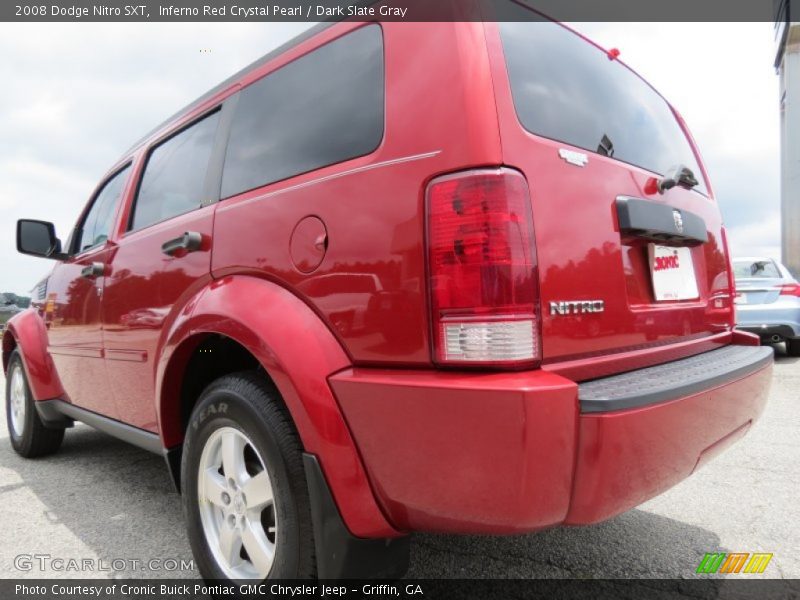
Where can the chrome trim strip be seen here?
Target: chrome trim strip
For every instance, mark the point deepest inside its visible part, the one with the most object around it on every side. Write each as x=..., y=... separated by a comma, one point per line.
x=377, y=165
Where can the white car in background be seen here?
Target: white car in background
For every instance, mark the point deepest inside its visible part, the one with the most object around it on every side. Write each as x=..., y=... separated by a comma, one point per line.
x=768, y=301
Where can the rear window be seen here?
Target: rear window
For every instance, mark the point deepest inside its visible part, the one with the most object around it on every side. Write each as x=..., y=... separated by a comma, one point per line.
x=567, y=89
x=323, y=108
x=755, y=269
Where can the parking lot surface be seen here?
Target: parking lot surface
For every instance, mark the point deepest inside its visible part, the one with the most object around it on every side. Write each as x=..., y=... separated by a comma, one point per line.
x=102, y=500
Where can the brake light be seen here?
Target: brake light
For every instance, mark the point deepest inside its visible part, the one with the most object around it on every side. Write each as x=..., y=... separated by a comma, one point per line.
x=482, y=267
x=731, y=279
x=790, y=289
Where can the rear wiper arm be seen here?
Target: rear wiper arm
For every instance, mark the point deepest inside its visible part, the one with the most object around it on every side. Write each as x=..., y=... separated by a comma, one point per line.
x=679, y=175
x=605, y=147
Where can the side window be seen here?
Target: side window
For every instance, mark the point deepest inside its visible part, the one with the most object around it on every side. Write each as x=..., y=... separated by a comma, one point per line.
x=175, y=174
x=98, y=221
x=323, y=108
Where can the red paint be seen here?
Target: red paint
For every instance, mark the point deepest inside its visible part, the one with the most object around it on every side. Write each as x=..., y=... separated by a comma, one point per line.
x=324, y=279
x=308, y=244
x=145, y=291
x=298, y=352
x=582, y=255
x=26, y=332
x=628, y=457
x=373, y=206
x=592, y=367
x=74, y=332
x=509, y=453
x=456, y=452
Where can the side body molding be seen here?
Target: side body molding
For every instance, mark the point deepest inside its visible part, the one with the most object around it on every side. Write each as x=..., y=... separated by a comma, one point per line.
x=299, y=353
x=27, y=329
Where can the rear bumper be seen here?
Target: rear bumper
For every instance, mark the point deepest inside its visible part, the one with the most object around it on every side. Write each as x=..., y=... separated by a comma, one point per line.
x=628, y=456
x=513, y=452
x=781, y=317
x=768, y=332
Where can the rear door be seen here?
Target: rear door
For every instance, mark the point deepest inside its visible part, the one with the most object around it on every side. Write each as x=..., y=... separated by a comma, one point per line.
x=163, y=258
x=622, y=267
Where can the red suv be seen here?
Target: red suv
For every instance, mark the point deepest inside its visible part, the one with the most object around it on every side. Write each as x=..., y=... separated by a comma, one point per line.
x=393, y=277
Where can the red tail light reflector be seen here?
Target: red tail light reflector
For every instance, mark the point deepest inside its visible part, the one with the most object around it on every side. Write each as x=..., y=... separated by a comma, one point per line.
x=482, y=266
x=790, y=289
x=731, y=279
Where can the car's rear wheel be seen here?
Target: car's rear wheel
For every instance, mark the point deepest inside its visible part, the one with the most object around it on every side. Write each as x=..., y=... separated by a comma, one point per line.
x=793, y=347
x=28, y=434
x=244, y=490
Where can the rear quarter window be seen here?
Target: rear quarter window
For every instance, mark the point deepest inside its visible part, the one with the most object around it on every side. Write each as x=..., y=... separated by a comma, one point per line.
x=323, y=108
x=566, y=89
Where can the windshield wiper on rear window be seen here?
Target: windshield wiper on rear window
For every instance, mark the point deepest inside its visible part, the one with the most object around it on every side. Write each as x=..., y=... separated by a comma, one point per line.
x=679, y=175
x=605, y=147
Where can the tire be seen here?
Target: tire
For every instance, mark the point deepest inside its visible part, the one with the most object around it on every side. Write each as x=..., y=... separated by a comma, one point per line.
x=244, y=412
x=28, y=434
x=793, y=347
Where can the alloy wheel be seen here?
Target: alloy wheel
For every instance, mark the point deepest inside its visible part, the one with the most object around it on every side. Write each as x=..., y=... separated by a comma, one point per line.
x=237, y=505
x=17, y=400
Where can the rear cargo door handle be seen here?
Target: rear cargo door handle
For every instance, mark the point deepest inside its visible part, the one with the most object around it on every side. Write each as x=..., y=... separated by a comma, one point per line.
x=191, y=241
x=93, y=270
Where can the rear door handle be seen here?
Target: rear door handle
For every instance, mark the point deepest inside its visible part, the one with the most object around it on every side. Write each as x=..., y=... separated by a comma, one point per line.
x=93, y=270
x=191, y=241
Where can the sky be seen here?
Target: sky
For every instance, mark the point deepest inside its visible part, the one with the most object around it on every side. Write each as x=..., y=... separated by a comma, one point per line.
x=77, y=95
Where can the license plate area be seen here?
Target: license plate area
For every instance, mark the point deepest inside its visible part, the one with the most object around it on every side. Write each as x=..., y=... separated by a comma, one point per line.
x=672, y=273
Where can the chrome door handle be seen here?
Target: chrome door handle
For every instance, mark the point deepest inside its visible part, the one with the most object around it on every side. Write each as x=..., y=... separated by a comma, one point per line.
x=190, y=241
x=93, y=270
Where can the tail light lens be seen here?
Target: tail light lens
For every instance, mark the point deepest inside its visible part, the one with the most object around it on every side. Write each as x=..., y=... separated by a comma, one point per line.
x=482, y=266
x=790, y=289
x=731, y=278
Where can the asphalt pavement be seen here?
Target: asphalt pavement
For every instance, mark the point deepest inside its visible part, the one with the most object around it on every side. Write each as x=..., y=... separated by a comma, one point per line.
x=111, y=507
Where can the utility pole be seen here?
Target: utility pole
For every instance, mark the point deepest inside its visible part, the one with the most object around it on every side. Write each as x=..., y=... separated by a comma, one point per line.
x=787, y=63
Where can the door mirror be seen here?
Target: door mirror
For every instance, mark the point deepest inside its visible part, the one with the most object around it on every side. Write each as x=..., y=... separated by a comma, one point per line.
x=38, y=238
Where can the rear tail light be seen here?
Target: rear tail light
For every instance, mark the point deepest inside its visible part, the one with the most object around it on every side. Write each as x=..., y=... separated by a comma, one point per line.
x=482, y=266
x=731, y=279
x=790, y=289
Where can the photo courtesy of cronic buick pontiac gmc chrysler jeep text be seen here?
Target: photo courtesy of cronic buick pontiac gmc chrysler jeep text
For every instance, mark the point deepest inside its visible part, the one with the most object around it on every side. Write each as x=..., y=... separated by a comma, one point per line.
x=393, y=277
